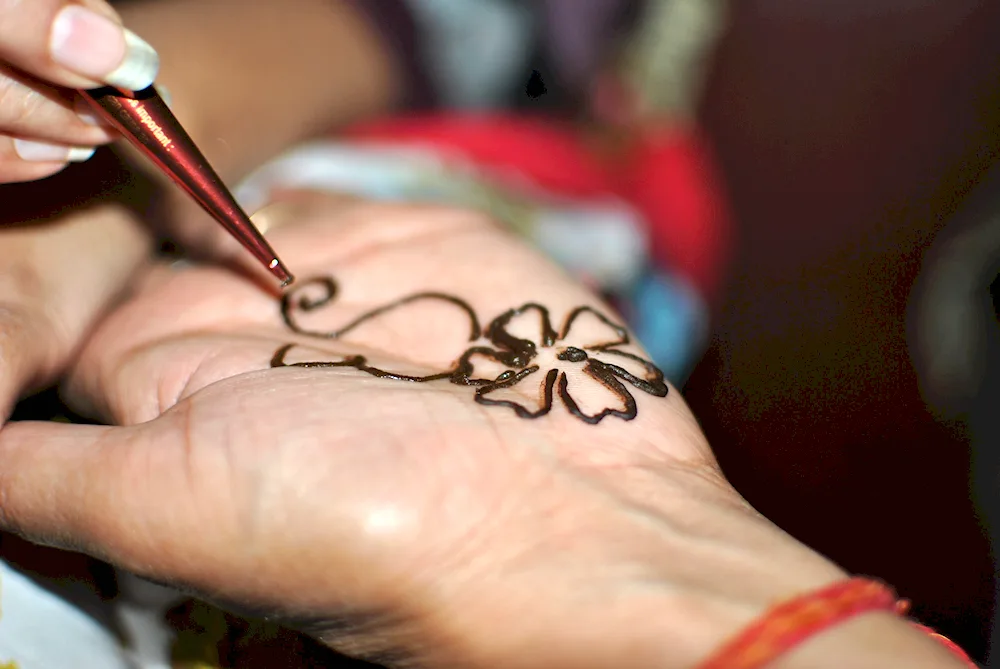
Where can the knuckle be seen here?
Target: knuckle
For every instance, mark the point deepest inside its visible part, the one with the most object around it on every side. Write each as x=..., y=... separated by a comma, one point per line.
x=19, y=104
x=8, y=90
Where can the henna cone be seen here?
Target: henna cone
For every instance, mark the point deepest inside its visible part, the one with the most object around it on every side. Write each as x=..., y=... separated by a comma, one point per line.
x=146, y=121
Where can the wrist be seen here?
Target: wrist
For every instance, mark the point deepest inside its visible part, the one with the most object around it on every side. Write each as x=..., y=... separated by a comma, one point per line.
x=673, y=598
x=660, y=588
x=678, y=632
x=878, y=640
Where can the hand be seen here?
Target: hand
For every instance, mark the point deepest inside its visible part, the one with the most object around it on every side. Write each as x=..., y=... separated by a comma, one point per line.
x=69, y=246
x=396, y=517
x=48, y=48
x=77, y=269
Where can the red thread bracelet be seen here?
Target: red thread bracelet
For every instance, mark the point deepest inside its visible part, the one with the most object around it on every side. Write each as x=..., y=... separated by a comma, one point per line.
x=791, y=623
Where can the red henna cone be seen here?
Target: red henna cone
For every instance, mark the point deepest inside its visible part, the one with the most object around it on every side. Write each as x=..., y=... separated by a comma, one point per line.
x=146, y=121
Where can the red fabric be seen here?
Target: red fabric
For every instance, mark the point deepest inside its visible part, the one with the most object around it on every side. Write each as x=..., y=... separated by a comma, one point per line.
x=799, y=619
x=671, y=179
x=668, y=177
x=545, y=153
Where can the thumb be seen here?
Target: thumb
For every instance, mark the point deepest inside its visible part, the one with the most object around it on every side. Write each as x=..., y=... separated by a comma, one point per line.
x=120, y=494
x=75, y=44
x=60, y=485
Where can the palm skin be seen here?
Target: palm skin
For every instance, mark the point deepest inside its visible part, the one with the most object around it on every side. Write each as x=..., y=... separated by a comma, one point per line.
x=397, y=519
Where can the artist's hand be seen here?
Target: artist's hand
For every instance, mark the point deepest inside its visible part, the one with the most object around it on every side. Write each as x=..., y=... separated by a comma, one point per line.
x=47, y=49
x=393, y=518
x=69, y=247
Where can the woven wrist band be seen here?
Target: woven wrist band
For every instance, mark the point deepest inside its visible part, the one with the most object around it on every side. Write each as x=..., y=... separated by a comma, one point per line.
x=791, y=623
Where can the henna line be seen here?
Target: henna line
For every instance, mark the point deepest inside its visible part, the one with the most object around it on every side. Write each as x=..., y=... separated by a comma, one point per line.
x=464, y=367
x=330, y=286
x=620, y=330
x=654, y=386
x=513, y=352
x=496, y=332
x=595, y=370
x=358, y=362
x=572, y=354
x=512, y=379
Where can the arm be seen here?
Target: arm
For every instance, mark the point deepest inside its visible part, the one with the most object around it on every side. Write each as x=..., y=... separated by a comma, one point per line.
x=874, y=641
x=313, y=478
x=251, y=78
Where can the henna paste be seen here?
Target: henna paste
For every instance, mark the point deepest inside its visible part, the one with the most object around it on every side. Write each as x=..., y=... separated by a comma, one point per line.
x=508, y=350
x=619, y=330
x=330, y=292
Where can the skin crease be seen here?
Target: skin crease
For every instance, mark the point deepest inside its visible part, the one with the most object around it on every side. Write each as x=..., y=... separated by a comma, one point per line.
x=401, y=521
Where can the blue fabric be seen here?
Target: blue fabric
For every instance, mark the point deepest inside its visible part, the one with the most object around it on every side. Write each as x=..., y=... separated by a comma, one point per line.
x=670, y=320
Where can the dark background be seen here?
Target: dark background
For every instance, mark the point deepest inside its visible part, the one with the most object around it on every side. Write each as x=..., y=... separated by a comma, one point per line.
x=848, y=135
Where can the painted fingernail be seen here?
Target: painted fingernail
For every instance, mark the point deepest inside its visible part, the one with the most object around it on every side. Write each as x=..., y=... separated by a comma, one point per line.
x=43, y=152
x=96, y=47
x=81, y=154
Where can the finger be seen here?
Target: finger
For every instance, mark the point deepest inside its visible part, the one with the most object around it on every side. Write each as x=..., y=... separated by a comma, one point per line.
x=34, y=110
x=69, y=486
x=290, y=204
x=55, y=279
x=74, y=44
x=133, y=496
x=203, y=239
x=380, y=250
x=94, y=489
x=27, y=160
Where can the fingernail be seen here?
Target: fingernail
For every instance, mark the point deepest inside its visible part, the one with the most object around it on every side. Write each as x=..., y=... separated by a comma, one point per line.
x=43, y=152
x=81, y=154
x=94, y=46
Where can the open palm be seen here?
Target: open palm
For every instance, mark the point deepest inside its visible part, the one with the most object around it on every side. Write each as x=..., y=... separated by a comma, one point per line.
x=435, y=426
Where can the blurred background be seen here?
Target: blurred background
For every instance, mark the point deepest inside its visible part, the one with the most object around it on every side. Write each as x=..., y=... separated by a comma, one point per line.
x=855, y=138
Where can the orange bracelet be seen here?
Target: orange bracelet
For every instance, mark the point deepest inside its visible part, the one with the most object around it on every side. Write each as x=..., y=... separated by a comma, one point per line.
x=791, y=623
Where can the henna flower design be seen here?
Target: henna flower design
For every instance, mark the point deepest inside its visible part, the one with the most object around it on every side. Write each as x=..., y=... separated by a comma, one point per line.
x=519, y=356
x=596, y=359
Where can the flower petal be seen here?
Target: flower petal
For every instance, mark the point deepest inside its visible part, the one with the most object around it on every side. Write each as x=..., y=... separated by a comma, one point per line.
x=523, y=407
x=481, y=365
x=522, y=331
x=590, y=402
x=589, y=329
x=638, y=371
